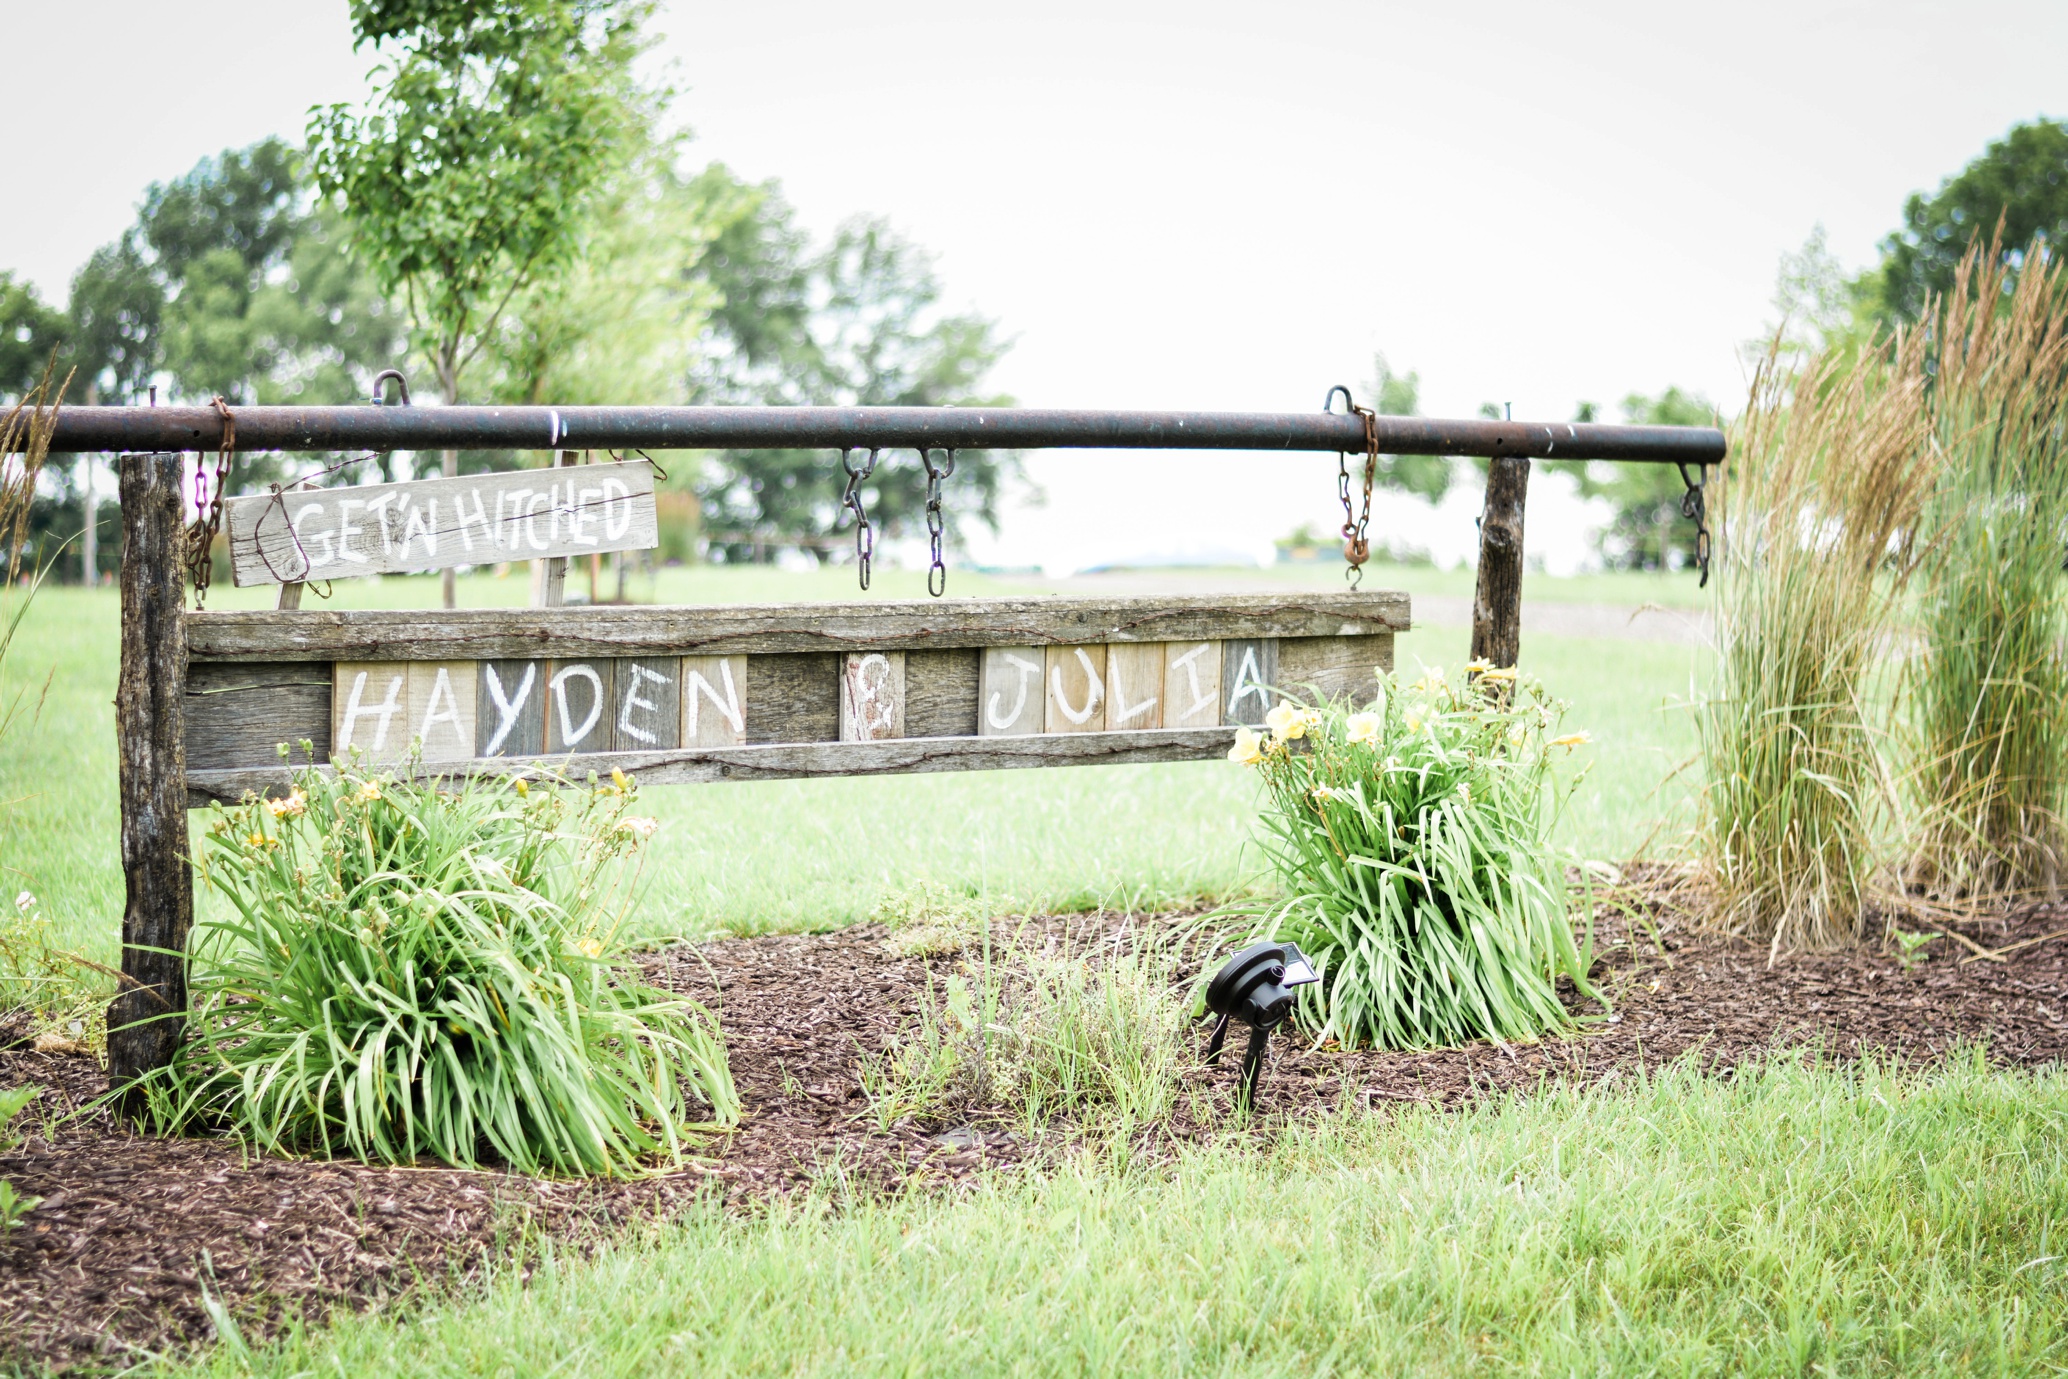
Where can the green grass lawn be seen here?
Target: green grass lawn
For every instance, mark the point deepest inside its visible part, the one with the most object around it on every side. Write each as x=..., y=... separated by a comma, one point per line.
x=751, y=858
x=1793, y=1221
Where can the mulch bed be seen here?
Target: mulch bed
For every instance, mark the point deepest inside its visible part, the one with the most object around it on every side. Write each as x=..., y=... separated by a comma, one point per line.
x=111, y=1266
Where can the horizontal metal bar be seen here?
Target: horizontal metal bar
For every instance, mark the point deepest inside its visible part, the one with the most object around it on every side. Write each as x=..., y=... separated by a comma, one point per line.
x=766, y=428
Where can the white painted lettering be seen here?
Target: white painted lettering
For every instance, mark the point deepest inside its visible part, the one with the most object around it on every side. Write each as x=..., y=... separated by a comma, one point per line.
x=633, y=701
x=441, y=694
x=1025, y=668
x=1119, y=712
x=506, y=709
x=1095, y=690
x=583, y=514
x=346, y=530
x=478, y=519
x=617, y=508
x=728, y=705
x=422, y=520
x=1201, y=695
x=571, y=736
x=356, y=710
x=1249, y=680
x=326, y=549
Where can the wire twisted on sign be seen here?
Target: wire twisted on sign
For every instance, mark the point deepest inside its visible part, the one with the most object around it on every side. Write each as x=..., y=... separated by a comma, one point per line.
x=1356, y=522
x=864, y=534
x=938, y=571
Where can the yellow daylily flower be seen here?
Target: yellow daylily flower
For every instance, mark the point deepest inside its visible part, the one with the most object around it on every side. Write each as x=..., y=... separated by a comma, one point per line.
x=1478, y=665
x=369, y=792
x=523, y=790
x=590, y=948
x=293, y=807
x=1289, y=721
x=1572, y=740
x=1248, y=749
x=1366, y=727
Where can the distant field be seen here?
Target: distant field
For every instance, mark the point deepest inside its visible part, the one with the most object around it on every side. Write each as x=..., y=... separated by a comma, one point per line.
x=810, y=854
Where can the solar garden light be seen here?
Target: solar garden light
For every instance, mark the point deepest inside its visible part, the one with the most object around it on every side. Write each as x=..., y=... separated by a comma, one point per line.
x=1256, y=987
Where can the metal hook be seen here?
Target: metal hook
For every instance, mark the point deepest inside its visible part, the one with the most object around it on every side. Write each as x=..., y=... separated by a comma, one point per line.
x=401, y=382
x=1328, y=404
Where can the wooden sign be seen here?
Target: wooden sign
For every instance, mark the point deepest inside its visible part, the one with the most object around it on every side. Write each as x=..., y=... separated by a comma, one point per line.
x=743, y=693
x=430, y=524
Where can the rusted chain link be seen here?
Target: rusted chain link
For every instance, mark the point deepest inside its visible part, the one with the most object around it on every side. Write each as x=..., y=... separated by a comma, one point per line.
x=1694, y=505
x=934, y=476
x=208, y=505
x=864, y=534
x=1356, y=521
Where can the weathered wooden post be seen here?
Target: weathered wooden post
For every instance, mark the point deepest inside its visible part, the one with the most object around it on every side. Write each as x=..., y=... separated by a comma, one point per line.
x=144, y=1021
x=1497, y=600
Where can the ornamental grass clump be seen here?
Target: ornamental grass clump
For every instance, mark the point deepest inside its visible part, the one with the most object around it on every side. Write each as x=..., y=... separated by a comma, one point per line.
x=1412, y=843
x=1989, y=688
x=1823, y=495
x=413, y=972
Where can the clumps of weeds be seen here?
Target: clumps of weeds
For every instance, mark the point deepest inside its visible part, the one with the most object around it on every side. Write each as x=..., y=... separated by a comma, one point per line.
x=54, y=1001
x=931, y=920
x=1040, y=1033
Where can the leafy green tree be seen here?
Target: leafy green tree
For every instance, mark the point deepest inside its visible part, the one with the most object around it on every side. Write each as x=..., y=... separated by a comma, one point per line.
x=1399, y=395
x=857, y=322
x=494, y=128
x=1647, y=531
x=2021, y=181
x=29, y=332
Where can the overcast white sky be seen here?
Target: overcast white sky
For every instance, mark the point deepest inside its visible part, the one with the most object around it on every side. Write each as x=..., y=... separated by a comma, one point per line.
x=1209, y=205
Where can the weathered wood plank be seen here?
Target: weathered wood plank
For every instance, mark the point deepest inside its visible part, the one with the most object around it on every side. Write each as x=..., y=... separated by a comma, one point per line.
x=1192, y=680
x=1134, y=685
x=432, y=524
x=369, y=710
x=148, y=1014
x=716, y=708
x=793, y=698
x=1012, y=689
x=510, y=709
x=1076, y=690
x=941, y=692
x=580, y=695
x=1334, y=667
x=785, y=761
x=872, y=696
x=1497, y=594
x=1249, y=674
x=239, y=713
x=517, y=633
x=648, y=713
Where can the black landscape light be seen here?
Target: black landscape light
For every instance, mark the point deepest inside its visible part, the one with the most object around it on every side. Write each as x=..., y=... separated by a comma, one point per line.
x=1256, y=987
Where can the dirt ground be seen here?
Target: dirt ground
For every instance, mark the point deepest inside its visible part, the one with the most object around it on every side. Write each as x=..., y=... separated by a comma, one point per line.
x=112, y=1264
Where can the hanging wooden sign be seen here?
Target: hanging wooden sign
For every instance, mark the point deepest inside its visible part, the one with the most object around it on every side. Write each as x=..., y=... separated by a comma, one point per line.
x=431, y=524
x=746, y=693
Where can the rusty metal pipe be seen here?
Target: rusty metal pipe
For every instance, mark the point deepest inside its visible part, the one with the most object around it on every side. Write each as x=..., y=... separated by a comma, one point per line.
x=808, y=428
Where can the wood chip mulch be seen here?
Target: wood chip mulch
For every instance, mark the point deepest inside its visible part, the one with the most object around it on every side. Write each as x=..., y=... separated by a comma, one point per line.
x=112, y=1265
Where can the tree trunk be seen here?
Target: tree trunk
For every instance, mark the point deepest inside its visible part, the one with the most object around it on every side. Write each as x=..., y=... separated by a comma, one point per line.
x=148, y=1013
x=1497, y=602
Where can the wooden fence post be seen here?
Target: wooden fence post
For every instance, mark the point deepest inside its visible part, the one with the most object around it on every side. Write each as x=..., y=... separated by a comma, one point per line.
x=146, y=1018
x=1497, y=600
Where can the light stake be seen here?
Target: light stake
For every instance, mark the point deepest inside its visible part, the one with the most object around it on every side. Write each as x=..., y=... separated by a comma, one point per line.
x=1256, y=987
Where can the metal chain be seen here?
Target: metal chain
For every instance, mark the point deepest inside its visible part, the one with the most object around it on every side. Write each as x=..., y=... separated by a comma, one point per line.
x=864, y=534
x=1356, y=521
x=934, y=476
x=208, y=505
x=1695, y=506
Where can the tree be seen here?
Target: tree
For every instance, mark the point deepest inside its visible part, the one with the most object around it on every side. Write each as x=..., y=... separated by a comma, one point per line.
x=1399, y=395
x=855, y=323
x=1647, y=531
x=494, y=127
x=2019, y=181
x=29, y=333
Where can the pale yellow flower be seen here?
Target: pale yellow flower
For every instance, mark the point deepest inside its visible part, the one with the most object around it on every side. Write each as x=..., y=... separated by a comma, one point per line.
x=1479, y=665
x=1572, y=740
x=293, y=807
x=1288, y=721
x=1516, y=734
x=617, y=778
x=1366, y=727
x=590, y=948
x=1248, y=749
x=1498, y=673
x=369, y=792
x=259, y=840
x=639, y=826
x=1414, y=719
x=523, y=790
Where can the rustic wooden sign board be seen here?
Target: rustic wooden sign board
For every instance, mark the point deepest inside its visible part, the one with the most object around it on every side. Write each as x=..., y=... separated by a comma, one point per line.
x=432, y=524
x=737, y=693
